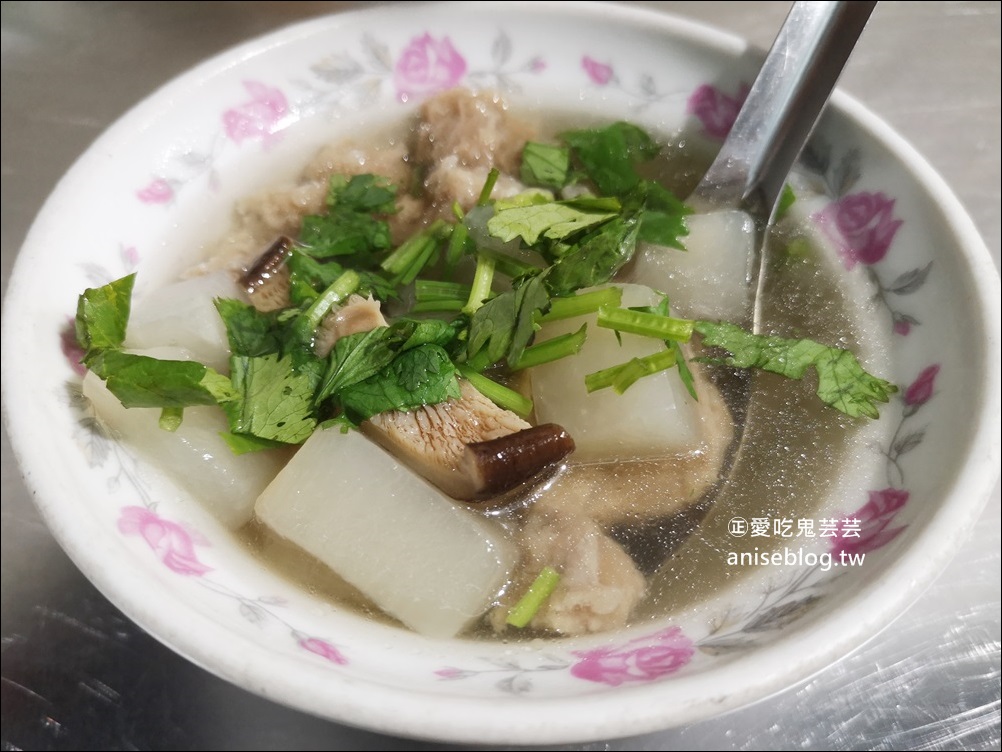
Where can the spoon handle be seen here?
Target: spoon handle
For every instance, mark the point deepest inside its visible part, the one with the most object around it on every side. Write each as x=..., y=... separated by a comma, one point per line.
x=782, y=107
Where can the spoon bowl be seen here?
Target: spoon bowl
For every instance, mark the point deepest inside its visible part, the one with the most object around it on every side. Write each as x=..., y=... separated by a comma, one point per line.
x=775, y=121
x=782, y=107
x=778, y=116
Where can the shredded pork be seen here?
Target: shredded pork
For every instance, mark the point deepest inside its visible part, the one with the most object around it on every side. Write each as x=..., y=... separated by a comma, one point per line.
x=599, y=583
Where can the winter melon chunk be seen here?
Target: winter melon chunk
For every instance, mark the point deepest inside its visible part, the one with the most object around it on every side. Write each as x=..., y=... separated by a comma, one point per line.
x=418, y=555
x=183, y=314
x=655, y=417
x=710, y=280
x=195, y=456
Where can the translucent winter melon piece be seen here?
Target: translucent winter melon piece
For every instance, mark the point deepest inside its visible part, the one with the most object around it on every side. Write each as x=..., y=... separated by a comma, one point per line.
x=183, y=315
x=654, y=417
x=709, y=280
x=194, y=456
x=417, y=554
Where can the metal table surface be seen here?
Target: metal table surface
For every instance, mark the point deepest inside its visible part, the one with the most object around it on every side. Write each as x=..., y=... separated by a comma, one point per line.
x=77, y=674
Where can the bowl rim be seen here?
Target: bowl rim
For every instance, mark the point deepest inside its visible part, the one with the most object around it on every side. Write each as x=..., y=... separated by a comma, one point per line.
x=461, y=719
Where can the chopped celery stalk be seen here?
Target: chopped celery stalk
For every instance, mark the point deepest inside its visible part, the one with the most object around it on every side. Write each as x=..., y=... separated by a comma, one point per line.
x=541, y=588
x=456, y=248
x=646, y=324
x=339, y=289
x=497, y=393
x=621, y=377
x=552, y=349
x=482, y=279
x=509, y=265
x=438, y=306
x=485, y=193
x=426, y=291
x=582, y=303
x=478, y=362
x=407, y=261
x=684, y=373
x=170, y=418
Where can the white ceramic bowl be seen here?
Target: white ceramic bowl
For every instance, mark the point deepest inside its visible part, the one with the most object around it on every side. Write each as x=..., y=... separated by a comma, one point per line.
x=158, y=185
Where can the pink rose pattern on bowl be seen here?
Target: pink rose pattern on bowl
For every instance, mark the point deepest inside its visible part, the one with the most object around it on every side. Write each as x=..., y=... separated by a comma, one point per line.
x=715, y=109
x=157, y=191
x=862, y=226
x=322, y=648
x=257, y=118
x=175, y=546
x=874, y=517
x=639, y=660
x=426, y=66
x=171, y=543
x=599, y=73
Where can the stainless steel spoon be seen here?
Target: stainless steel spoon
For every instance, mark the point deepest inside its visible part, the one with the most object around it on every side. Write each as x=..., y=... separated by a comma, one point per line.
x=778, y=116
x=748, y=174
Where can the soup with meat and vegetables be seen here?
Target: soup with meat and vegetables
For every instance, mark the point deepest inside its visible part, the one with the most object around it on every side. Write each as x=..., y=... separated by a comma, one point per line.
x=486, y=381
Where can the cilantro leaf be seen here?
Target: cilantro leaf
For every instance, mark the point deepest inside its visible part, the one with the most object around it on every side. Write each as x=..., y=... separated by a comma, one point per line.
x=362, y=355
x=663, y=218
x=249, y=331
x=609, y=155
x=356, y=358
x=103, y=315
x=503, y=326
x=343, y=234
x=366, y=193
x=241, y=443
x=308, y=277
x=423, y=375
x=275, y=402
x=554, y=220
x=545, y=165
x=596, y=258
x=428, y=331
x=842, y=381
x=142, y=381
x=351, y=226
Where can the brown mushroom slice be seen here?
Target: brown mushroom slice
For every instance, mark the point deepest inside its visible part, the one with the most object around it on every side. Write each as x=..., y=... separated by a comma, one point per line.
x=433, y=439
x=267, y=281
x=501, y=464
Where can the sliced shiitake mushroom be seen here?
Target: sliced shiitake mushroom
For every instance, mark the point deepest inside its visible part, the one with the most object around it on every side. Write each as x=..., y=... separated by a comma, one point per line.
x=267, y=281
x=501, y=464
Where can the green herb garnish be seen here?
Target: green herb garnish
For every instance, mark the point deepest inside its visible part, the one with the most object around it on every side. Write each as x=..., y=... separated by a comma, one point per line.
x=529, y=604
x=545, y=165
x=279, y=390
x=842, y=381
